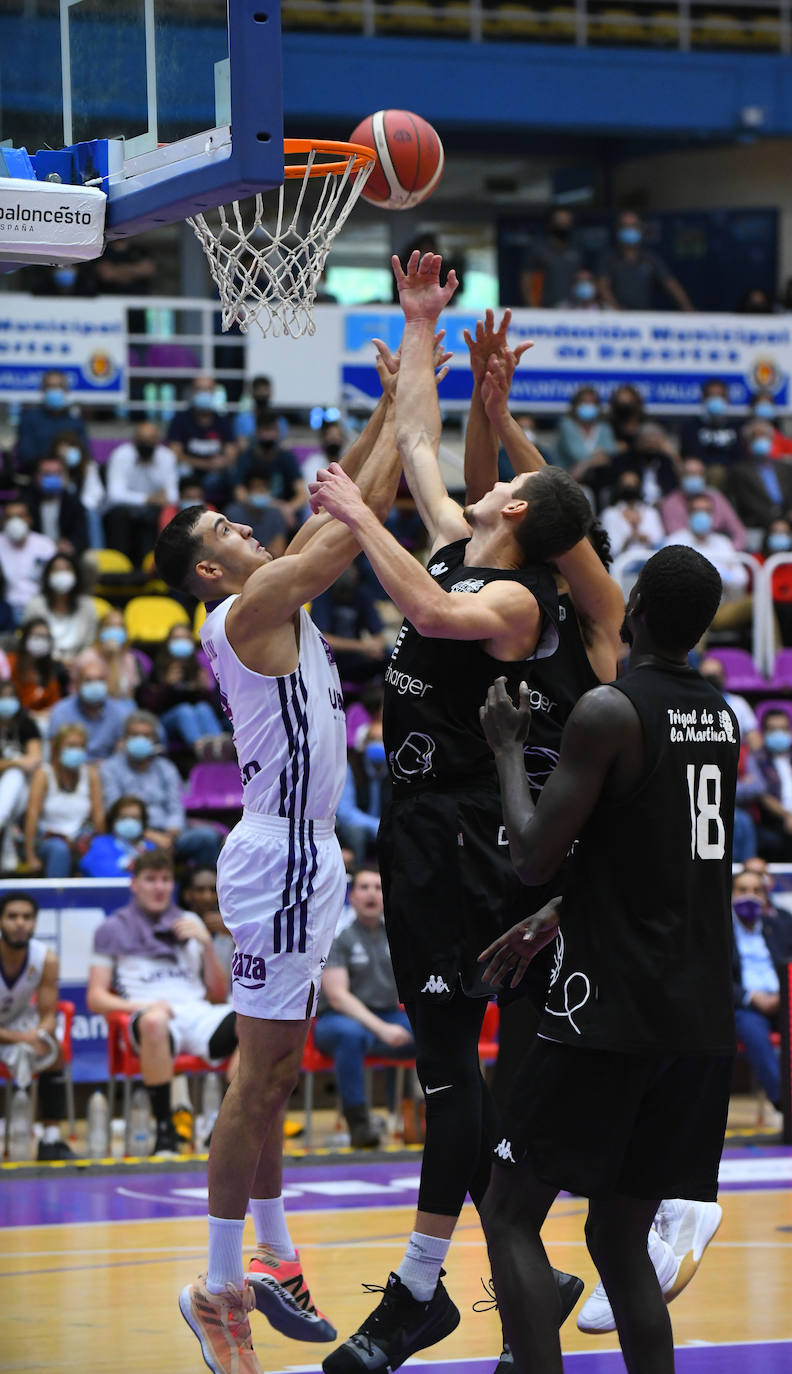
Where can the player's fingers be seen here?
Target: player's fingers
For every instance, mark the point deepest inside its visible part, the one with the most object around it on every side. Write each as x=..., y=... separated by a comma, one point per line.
x=441, y=375
x=525, y=695
x=499, y=689
x=522, y=348
x=452, y=280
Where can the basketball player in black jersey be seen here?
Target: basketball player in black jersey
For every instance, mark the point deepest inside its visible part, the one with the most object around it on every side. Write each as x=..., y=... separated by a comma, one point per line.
x=485, y=606
x=623, y=1099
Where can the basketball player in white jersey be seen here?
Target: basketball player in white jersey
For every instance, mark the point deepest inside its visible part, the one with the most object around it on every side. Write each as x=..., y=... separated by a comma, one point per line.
x=28, y=1008
x=281, y=879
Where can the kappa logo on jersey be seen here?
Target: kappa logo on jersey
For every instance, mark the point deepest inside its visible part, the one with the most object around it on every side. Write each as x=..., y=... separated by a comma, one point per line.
x=727, y=726
x=504, y=1151
x=470, y=584
x=437, y=569
x=413, y=758
x=435, y=983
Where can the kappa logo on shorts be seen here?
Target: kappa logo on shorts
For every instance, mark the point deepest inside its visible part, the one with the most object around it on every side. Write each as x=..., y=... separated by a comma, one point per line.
x=249, y=966
x=435, y=983
x=504, y=1151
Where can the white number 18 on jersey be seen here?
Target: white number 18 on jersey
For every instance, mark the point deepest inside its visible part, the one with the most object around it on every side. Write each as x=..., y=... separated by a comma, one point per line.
x=707, y=831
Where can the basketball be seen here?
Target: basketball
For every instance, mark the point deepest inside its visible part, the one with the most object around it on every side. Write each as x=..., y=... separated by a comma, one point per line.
x=409, y=158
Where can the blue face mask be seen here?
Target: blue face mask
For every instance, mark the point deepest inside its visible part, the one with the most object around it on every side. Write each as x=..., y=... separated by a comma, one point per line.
x=761, y=446
x=701, y=522
x=72, y=456
x=587, y=411
x=74, y=757
x=113, y=634
x=693, y=483
x=375, y=751
x=139, y=747
x=778, y=542
x=180, y=648
x=51, y=483
x=715, y=405
x=8, y=707
x=92, y=693
x=629, y=234
x=764, y=410
x=128, y=828
x=778, y=741
x=584, y=290
x=65, y=277
x=54, y=398
x=259, y=499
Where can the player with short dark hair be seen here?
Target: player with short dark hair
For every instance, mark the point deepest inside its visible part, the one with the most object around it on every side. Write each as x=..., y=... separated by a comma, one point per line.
x=623, y=1099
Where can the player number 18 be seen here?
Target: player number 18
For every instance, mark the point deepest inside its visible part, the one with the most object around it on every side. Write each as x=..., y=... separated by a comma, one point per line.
x=707, y=831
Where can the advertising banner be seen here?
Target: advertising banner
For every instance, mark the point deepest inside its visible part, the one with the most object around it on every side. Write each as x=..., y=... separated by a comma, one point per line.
x=85, y=339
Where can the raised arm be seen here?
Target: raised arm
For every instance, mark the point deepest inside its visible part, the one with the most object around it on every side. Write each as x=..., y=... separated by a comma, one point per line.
x=481, y=440
x=597, y=597
x=417, y=410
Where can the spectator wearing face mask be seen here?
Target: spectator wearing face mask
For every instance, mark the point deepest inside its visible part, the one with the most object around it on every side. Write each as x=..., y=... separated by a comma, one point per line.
x=254, y=506
x=762, y=945
x=112, y=853
x=121, y=666
x=713, y=435
x=71, y=616
x=138, y=769
x=287, y=485
x=64, y=806
x=39, y=680
x=759, y=485
x=90, y=706
x=83, y=480
x=626, y=414
x=259, y=400
x=331, y=446
x=653, y=456
x=736, y=608
x=768, y=784
x=778, y=539
x=675, y=507
x=629, y=273
x=141, y=479
x=190, y=494
x=585, y=438
x=763, y=407
x=24, y=553
x=551, y=263
x=40, y=425
x=584, y=292
x=55, y=508
x=713, y=670
x=202, y=437
x=20, y=756
x=631, y=525
x=179, y=694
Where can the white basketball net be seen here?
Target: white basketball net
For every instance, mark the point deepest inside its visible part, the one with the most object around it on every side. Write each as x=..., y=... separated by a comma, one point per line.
x=267, y=269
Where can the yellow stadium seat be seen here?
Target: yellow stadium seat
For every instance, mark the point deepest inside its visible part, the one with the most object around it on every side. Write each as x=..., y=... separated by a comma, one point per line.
x=662, y=27
x=102, y=606
x=111, y=561
x=717, y=31
x=150, y=619
x=560, y=22
x=512, y=21
x=617, y=26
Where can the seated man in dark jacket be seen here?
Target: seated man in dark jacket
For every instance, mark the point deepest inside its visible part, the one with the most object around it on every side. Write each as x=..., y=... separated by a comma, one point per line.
x=762, y=945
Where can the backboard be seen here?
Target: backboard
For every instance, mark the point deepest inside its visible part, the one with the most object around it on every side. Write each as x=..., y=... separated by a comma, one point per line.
x=188, y=93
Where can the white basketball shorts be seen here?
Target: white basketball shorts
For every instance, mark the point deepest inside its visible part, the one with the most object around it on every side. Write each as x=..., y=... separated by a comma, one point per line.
x=190, y=1028
x=281, y=885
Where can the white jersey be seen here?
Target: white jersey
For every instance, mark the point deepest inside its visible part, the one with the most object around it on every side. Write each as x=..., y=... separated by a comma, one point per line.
x=16, y=998
x=176, y=977
x=289, y=732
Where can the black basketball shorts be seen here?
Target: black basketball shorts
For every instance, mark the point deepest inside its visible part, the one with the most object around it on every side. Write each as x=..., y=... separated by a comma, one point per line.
x=599, y=1122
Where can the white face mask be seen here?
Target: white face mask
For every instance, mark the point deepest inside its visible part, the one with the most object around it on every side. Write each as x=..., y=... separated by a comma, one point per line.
x=16, y=528
x=63, y=581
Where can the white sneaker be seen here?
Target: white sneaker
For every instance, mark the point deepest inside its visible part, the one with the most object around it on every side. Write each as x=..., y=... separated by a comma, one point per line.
x=688, y=1227
x=596, y=1315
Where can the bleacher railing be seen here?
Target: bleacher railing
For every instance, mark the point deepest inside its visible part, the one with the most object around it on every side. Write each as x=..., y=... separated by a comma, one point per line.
x=688, y=24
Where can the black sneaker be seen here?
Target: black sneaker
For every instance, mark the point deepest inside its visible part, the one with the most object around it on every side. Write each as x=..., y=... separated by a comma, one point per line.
x=166, y=1141
x=569, y=1288
x=394, y=1330
x=55, y=1149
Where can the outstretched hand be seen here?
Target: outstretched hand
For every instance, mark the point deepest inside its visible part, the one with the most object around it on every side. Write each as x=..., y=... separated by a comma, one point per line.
x=505, y=724
x=508, y=957
x=420, y=293
x=387, y=362
x=336, y=493
x=488, y=341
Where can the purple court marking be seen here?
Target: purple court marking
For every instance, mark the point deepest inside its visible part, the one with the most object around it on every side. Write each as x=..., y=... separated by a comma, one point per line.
x=96, y=1196
x=770, y=1358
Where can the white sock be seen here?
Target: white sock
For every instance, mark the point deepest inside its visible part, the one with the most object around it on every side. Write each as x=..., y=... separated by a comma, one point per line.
x=420, y=1269
x=269, y=1219
x=225, y=1254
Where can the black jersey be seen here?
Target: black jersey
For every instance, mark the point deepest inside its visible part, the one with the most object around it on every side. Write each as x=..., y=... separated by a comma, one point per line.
x=643, y=961
x=557, y=684
x=434, y=688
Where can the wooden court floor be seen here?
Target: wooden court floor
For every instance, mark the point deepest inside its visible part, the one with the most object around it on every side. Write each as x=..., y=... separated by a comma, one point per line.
x=98, y=1296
